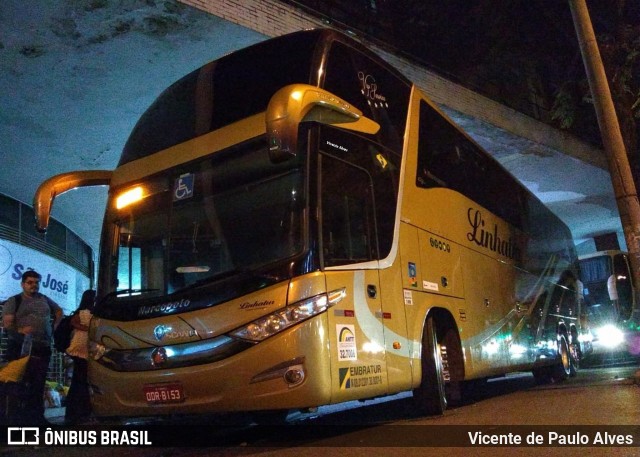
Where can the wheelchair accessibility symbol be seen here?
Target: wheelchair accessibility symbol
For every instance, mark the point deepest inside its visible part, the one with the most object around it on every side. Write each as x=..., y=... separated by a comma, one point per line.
x=183, y=187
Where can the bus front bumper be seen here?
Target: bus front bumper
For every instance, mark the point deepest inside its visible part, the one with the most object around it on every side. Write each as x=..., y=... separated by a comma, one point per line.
x=287, y=371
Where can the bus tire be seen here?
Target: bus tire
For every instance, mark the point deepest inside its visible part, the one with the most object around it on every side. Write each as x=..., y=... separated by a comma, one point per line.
x=575, y=352
x=473, y=389
x=574, y=361
x=542, y=375
x=430, y=398
x=562, y=369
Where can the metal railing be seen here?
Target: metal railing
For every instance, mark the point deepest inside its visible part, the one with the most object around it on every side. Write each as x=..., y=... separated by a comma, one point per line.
x=25, y=239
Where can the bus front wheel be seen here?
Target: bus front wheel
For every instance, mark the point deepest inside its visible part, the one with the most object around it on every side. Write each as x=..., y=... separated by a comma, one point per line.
x=430, y=398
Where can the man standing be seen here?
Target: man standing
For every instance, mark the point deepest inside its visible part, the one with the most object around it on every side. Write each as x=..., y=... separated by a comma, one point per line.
x=30, y=314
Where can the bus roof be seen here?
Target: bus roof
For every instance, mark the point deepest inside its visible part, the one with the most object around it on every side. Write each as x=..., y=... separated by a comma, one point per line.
x=240, y=84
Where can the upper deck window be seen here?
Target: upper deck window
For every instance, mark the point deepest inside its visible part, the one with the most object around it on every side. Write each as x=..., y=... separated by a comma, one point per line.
x=377, y=91
x=221, y=92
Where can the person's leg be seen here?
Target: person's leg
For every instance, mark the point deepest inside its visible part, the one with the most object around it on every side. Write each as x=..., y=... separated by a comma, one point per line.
x=34, y=380
x=82, y=393
x=72, y=412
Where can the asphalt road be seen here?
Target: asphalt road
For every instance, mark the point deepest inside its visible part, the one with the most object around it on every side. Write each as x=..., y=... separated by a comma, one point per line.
x=598, y=404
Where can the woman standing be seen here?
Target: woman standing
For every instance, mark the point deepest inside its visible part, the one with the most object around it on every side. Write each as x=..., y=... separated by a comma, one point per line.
x=78, y=405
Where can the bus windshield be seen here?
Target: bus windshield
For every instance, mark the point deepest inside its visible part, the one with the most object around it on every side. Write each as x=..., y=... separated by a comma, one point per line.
x=234, y=211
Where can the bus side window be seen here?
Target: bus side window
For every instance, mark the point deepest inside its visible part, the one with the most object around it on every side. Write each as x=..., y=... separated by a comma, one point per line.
x=448, y=158
x=538, y=311
x=347, y=213
x=564, y=295
x=438, y=157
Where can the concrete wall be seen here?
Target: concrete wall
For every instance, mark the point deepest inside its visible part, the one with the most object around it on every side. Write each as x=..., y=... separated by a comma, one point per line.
x=273, y=18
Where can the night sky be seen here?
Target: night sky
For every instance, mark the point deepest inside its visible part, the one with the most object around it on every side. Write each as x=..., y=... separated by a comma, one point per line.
x=518, y=52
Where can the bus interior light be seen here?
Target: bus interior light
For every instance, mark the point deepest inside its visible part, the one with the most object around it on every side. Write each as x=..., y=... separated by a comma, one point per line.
x=193, y=269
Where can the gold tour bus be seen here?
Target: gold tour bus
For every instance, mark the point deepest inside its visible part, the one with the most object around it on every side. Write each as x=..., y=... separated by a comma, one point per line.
x=295, y=224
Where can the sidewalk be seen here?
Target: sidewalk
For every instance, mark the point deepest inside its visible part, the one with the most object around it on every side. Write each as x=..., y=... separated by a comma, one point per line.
x=56, y=415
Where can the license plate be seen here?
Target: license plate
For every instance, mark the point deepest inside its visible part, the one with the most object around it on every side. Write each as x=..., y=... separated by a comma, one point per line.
x=157, y=394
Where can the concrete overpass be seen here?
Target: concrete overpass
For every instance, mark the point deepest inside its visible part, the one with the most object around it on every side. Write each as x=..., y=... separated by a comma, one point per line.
x=76, y=76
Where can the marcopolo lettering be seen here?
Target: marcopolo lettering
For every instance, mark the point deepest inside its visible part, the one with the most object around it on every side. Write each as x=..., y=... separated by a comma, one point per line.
x=164, y=308
x=492, y=240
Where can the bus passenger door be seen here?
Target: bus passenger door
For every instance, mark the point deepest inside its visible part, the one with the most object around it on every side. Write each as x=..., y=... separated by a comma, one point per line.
x=349, y=256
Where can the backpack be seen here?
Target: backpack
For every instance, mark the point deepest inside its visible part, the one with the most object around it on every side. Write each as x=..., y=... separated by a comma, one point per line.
x=62, y=334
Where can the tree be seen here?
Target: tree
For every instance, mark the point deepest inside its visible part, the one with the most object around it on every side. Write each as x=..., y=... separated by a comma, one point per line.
x=621, y=176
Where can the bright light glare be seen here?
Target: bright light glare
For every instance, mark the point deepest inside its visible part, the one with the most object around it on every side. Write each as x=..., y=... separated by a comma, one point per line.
x=517, y=350
x=372, y=347
x=129, y=197
x=586, y=338
x=491, y=348
x=610, y=336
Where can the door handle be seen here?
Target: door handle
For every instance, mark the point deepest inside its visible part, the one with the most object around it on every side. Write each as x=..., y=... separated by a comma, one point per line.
x=372, y=291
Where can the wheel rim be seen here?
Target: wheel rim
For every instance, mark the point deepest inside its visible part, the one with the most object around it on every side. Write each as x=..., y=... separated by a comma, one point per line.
x=564, y=355
x=440, y=365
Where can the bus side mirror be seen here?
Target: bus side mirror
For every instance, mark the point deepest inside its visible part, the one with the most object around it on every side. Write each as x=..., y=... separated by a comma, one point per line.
x=298, y=103
x=59, y=184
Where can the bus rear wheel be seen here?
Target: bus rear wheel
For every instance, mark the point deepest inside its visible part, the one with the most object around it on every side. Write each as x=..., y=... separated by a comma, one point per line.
x=562, y=369
x=430, y=398
x=575, y=351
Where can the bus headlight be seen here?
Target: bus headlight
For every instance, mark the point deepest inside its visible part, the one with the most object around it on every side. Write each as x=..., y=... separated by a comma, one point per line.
x=284, y=318
x=610, y=336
